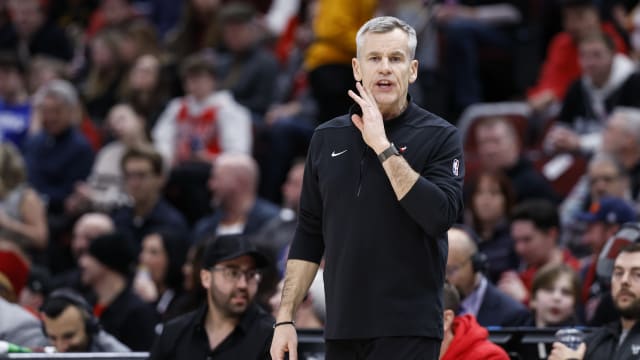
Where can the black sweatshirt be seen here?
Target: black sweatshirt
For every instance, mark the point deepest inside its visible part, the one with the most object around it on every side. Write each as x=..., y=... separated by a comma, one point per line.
x=385, y=259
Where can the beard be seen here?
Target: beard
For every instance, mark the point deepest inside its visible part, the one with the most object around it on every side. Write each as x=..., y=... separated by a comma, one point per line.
x=631, y=311
x=224, y=304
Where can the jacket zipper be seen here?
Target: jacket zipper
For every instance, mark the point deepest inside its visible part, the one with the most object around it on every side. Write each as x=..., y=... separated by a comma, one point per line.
x=362, y=164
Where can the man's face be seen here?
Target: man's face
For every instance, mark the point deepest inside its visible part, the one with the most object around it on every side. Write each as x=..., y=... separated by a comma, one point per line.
x=625, y=285
x=497, y=148
x=616, y=137
x=26, y=16
x=385, y=69
x=533, y=245
x=596, y=235
x=55, y=114
x=459, y=268
x=67, y=331
x=605, y=179
x=141, y=182
x=230, y=295
x=222, y=183
x=91, y=270
x=580, y=21
x=238, y=37
x=596, y=60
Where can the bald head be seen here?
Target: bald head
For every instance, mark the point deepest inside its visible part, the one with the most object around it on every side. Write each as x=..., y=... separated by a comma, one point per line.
x=461, y=243
x=87, y=227
x=233, y=176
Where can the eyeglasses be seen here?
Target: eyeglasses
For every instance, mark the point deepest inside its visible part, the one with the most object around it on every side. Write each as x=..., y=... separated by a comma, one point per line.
x=234, y=274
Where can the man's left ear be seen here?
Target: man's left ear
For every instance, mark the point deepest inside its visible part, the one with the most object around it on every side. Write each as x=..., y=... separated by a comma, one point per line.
x=414, y=71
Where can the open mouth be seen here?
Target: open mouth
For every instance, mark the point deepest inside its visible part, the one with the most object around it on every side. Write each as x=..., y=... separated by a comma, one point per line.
x=384, y=84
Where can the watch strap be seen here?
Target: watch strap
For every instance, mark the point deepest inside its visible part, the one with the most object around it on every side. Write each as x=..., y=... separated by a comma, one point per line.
x=392, y=150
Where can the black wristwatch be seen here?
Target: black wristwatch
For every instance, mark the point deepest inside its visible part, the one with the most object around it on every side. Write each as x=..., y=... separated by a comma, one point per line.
x=392, y=150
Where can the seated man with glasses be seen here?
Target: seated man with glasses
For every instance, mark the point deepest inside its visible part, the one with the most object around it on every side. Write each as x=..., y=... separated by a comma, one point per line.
x=230, y=325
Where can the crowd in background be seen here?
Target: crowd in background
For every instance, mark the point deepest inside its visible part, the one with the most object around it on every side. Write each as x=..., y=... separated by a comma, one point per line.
x=136, y=131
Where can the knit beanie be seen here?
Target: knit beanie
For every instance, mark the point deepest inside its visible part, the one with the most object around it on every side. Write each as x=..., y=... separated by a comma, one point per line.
x=114, y=251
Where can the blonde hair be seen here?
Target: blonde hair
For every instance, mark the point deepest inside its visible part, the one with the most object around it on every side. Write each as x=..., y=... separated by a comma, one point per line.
x=12, y=168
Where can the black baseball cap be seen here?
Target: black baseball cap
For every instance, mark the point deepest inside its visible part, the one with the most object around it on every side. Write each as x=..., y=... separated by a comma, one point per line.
x=227, y=247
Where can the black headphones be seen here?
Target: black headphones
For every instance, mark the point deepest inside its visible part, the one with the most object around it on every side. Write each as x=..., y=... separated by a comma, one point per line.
x=91, y=323
x=480, y=263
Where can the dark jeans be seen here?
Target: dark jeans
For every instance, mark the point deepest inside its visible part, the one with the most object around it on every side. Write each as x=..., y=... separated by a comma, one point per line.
x=384, y=348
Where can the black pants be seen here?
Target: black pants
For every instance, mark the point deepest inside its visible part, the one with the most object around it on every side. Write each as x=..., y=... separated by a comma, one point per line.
x=384, y=348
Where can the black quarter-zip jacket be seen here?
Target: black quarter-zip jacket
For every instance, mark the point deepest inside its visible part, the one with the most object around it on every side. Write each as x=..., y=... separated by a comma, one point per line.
x=385, y=258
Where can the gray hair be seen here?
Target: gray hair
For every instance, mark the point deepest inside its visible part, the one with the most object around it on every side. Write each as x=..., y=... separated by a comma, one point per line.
x=631, y=118
x=385, y=24
x=61, y=90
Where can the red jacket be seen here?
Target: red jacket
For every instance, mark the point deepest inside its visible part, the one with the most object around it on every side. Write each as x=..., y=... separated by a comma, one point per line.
x=470, y=342
x=562, y=67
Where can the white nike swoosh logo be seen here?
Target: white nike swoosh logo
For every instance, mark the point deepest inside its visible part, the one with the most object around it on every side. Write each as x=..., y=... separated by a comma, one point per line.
x=334, y=154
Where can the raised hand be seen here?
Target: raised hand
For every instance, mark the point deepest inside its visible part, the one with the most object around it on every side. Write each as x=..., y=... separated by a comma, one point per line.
x=371, y=123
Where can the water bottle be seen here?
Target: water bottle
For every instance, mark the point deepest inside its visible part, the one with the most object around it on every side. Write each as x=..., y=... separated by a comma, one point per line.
x=8, y=348
x=570, y=337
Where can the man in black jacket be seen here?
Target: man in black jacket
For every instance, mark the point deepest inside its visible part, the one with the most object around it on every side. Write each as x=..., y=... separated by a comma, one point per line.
x=230, y=325
x=619, y=340
x=378, y=212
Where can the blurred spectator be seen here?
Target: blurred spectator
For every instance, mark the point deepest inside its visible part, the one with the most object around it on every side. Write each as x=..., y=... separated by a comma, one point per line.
x=248, y=70
x=193, y=294
x=616, y=340
x=276, y=234
x=17, y=325
x=604, y=218
x=490, y=201
x=144, y=89
x=106, y=268
x=30, y=33
x=230, y=325
x=535, y=229
x=468, y=25
x=165, y=14
x=104, y=189
x=499, y=150
x=142, y=169
x=463, y=337
x=69, y=323
x=138, y=38
x=110, y=13
x=159, y=275
x=57, y=156
x=561, y=66
x=312, y=312
x=328, y=59
x=43, y=69
x=480, y=298
x=99, y=90
x=23, y=218
x=197, y=29
x=605, y=176
x=15, y=108
x=37, y=288
x=238, y=209
x=87, y=227
x=203, y=123
x=555, y=296
x=608, y=80
x=621, y=139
